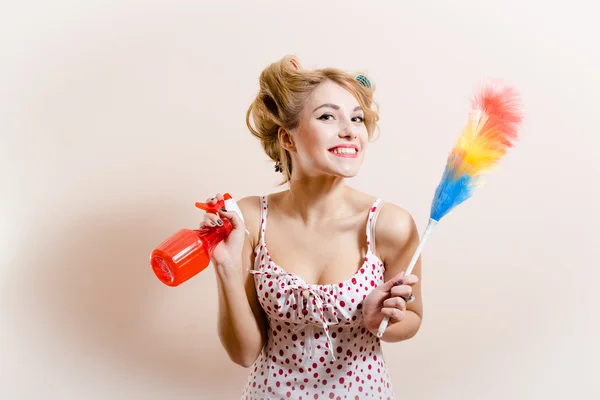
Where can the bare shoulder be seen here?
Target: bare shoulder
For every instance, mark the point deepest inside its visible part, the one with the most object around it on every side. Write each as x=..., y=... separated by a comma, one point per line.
x=249, y=205
x=395, y=231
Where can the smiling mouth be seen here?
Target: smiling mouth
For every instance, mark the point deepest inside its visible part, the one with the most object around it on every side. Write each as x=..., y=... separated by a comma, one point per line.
x=344, y=152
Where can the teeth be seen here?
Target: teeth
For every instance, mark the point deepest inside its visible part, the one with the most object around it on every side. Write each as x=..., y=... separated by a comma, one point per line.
x=344, y=150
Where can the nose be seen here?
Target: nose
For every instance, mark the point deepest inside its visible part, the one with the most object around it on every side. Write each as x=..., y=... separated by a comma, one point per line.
x=347, y=130
x=347, y=134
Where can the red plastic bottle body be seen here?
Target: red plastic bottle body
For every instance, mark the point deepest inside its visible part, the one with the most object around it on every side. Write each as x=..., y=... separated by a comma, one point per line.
x=186, y=253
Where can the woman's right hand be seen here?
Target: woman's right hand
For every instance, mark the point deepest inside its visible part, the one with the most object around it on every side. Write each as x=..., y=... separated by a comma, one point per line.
x=228, y=253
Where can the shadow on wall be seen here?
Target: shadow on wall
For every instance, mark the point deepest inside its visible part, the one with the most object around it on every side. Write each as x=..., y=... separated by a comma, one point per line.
x=87, y=286
x=94, y=285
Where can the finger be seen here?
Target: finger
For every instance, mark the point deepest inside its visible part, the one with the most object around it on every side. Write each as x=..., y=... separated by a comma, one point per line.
x=402, y=290
x=219, y=197
x=210, y=202
x=233, y=217
x=395, y=302
x=394, y=314
x=214, y=219
x=206, y=223
x=210, y=220
x=387, y=286
x=410, y=279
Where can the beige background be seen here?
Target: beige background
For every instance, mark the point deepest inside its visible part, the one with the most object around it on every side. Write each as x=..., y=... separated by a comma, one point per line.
x=118, y=116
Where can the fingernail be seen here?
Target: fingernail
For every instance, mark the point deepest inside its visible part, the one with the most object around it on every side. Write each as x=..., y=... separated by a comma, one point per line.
x=220, y=222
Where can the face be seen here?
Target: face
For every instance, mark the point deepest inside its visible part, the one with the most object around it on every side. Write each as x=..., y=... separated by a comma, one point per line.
x=331, y=138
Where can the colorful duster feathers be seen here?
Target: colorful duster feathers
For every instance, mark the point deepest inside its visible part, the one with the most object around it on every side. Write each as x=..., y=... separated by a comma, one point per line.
x=492, y=129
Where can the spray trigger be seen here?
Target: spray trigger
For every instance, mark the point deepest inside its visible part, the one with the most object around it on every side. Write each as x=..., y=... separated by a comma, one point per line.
x=227, y=203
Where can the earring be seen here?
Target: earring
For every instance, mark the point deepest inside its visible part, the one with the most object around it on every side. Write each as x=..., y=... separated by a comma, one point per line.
x=363, y=80
x=278, y=167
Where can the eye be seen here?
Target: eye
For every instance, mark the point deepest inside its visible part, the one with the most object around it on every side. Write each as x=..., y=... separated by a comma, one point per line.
x=358, y=119
x=324, y=117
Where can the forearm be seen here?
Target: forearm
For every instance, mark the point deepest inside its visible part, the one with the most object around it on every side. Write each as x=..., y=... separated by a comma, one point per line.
x=240, y=331
x=403, y=330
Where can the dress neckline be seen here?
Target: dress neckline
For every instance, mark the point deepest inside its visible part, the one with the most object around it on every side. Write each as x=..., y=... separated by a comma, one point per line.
x=360, y=271
x=343, y=283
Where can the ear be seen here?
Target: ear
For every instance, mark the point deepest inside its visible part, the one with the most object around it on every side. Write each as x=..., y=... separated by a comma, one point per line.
x=286, y=140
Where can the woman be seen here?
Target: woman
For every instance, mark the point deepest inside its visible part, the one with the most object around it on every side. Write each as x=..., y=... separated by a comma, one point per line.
x=302, y=296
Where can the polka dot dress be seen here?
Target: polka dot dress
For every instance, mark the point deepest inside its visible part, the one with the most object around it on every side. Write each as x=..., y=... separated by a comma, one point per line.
x=317, y=346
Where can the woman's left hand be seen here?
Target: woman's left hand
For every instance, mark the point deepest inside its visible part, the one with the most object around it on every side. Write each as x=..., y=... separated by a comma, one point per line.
x=388, y=300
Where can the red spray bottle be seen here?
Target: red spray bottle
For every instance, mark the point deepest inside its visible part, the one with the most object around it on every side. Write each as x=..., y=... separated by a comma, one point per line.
x=188, y=251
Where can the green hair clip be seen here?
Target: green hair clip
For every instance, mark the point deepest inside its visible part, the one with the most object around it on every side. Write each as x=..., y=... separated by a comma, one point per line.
x=363, y=80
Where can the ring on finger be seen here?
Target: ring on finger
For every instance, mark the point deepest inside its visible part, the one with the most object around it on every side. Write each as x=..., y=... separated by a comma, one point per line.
x=409, y=299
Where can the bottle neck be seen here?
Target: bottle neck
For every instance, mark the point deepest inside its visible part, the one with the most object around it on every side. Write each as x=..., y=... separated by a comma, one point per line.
x=212, y=236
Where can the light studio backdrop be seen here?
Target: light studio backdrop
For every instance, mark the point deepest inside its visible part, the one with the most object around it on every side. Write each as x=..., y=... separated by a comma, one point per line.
x=117, y=116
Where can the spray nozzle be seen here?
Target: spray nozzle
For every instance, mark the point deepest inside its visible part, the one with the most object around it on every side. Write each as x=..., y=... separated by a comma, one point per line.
x=214, y=208
x=228, y=203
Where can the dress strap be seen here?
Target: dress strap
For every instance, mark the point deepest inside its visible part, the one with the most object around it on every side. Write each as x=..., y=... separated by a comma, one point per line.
x=264, y=205
x=373, y=213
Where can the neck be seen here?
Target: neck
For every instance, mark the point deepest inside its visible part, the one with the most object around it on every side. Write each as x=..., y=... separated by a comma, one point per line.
x=317, y=199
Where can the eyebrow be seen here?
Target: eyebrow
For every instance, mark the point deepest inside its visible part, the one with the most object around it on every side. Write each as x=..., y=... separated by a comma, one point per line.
x=335, y=107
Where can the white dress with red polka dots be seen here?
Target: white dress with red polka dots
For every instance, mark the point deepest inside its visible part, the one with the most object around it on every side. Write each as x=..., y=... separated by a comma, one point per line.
x=317, y=346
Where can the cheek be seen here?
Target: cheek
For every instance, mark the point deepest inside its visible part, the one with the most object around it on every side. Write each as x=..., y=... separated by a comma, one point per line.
x=305, y=148
x=365, y=136
x=313, y=138
x=363, y=130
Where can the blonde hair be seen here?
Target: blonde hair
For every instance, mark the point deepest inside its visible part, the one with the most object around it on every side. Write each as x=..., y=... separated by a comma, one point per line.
x=284, y=89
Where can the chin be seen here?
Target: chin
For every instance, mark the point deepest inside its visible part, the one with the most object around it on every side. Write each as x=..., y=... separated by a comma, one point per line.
x=349, y=173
